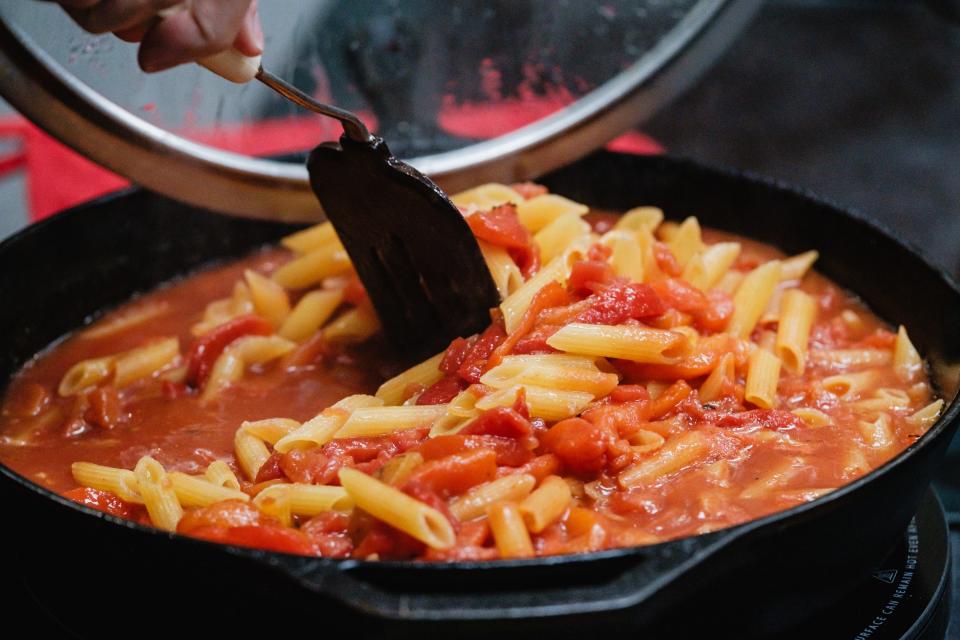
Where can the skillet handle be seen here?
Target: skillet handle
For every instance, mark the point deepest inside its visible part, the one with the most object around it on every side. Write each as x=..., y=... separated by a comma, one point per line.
x=548, y=587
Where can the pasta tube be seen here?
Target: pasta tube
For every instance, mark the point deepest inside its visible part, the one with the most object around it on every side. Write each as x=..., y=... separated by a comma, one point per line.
x=397, y=509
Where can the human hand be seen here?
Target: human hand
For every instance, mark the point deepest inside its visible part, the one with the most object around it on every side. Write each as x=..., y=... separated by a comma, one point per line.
x=173, y=32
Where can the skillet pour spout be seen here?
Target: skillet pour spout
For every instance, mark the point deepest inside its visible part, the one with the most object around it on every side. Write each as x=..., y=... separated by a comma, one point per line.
x=99, y=255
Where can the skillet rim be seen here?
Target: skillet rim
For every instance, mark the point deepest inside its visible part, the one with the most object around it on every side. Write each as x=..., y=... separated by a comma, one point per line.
x=727, y=535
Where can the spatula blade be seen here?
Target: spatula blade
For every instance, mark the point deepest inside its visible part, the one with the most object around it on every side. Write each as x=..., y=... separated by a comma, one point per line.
x=410, y=245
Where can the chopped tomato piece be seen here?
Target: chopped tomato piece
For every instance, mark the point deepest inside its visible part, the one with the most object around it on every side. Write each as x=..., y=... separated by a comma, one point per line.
x=540, y=467
x=441, y=392
x=270, y=470
x=270, y=537
x=665, y=259
x=580, y=445
x=629, y=393
x=475, y=362
x=621, y=302
x=536, y=340
x=586, y=276
x=104, y=501
x=670, y=398
x=230, y=513
x=104, y=407
x=500, y=226
x=456, y=354
x=510, y=451
x=207, y=348
x=501, y=421
x=452, y=475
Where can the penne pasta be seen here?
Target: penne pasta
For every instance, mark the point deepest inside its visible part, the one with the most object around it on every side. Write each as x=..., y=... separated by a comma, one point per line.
x=813, y=417
x=560, y=378
x=310, y=268
x=302, y=499
x=271, y=429
x=706, y=269
x=646, y=218
x=475, y=501
x=549, y=404
x=686, y=243
x=537, y=212
x=320, y=429
x=219, y=473
x=877, y=433
x=509, y=532
x=845, y=359
x=310, y=238
x=848, y=385
x=144, y=362
x=752, y=297
x=546, y=504
x=378, y=421
x=797, y=313
x=251, y=453
x=158, y=494
x=677, y=453
x=796, y=267
x=397, y=509
x=927, y=416
x=311, y=312
x=626, y=256
x=515, y=305
x=763, y=373
x=356, y=325
x=269, y=298
x=629, y=342
x=505, y=272
x=719, y=381
x=197, y=491
x=906, y=360
x=84, y=375
x=120, y=482
x=399, y=468
x=554, y=239
x=394, y=390
x=486, y=196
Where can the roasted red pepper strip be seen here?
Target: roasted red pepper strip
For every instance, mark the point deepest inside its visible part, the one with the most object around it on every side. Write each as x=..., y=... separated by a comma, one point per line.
x=104, y=501
x=207, y=348
x=273, y=538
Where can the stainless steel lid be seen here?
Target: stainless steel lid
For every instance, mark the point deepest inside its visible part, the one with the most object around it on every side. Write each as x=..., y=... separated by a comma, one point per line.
x=467, y=91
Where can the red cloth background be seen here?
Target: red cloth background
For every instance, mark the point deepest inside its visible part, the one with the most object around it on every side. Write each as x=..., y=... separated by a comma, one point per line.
x=58, y=178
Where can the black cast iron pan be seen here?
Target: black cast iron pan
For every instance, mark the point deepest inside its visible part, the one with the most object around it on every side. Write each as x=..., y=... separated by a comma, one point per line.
x=99, y=575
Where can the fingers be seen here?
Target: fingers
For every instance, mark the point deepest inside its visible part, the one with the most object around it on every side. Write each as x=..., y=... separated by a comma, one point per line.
x=105, y=16
x=207, y=27
x=249, y=40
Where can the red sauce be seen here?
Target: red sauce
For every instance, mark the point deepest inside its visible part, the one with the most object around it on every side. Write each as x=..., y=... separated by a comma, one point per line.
x=758, y=460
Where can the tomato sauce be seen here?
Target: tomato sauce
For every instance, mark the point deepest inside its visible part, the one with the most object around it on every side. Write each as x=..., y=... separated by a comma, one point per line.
x=759, y=461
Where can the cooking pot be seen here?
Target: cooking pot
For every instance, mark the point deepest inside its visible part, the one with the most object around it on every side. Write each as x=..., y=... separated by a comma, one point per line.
x=105, y=576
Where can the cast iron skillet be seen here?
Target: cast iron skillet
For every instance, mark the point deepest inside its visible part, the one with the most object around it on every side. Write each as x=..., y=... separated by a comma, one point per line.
x=98, y=574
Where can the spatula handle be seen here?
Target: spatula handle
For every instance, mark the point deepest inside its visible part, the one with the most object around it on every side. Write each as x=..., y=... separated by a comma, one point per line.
x=230, y=64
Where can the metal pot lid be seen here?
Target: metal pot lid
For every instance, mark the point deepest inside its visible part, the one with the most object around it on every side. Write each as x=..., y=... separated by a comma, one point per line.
x=468, y=91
